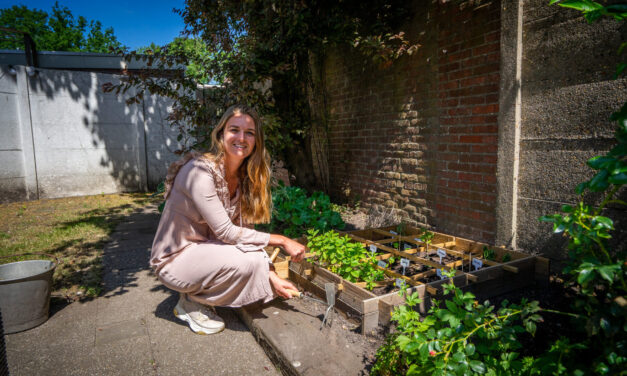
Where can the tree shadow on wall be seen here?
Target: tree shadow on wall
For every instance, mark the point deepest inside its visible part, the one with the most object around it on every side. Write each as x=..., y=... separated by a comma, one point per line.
x=89, y=142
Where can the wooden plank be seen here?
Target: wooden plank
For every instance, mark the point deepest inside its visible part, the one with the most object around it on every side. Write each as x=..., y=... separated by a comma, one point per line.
x=399, y=253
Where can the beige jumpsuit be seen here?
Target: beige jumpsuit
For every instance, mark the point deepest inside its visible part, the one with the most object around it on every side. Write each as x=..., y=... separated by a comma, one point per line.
x=197, y=248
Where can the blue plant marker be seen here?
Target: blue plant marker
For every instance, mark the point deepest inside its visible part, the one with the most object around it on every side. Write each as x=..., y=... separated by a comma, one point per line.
x=477, y=264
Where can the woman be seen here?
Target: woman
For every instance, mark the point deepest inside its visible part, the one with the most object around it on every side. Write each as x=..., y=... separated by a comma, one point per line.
x=205, y=247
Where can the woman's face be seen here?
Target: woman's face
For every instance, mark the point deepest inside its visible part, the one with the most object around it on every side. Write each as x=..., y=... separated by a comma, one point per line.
x=239, y=137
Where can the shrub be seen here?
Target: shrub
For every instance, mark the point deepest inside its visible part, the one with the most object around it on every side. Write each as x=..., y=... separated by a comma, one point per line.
x=294, y=213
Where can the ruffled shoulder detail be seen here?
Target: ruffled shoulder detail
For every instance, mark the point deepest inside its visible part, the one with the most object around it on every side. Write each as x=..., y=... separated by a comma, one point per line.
x=174, y=168
x=216, y=169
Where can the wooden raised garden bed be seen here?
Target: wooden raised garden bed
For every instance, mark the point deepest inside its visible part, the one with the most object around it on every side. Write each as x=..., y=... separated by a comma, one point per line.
x=407, y=259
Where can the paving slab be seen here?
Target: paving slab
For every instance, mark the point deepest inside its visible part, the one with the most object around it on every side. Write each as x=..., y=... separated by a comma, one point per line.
x=290, y=333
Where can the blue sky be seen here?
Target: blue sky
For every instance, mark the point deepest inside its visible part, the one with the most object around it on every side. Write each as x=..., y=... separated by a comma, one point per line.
x=136, y=23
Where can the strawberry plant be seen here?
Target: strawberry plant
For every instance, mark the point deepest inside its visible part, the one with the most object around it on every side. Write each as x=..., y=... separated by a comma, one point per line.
x=344, y=257
x=459, y=336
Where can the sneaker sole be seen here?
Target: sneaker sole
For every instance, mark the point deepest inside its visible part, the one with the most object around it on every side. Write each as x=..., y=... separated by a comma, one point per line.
x=192, y=325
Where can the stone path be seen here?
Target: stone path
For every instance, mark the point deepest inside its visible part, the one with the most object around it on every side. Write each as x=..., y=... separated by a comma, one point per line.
x=130, y=329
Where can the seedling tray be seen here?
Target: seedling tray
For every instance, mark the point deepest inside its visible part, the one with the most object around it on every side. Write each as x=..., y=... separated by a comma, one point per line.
x=504, y=270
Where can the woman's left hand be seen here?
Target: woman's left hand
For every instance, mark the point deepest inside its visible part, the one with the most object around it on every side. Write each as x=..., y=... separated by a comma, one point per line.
x=294, y=249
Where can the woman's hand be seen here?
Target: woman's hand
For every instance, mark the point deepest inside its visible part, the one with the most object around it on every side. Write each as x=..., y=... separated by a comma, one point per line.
x=293, y=248
x=281, y=286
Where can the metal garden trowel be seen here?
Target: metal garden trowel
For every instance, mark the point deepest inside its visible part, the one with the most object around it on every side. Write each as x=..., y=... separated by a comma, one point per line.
x=329, y=288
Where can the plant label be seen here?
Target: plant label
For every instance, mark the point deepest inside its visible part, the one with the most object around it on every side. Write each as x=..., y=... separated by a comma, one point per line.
x=393, y=232
x=478, y=264
x=399, y=283
x=404, y=264
x=441, y=253
x=418, y=239
x=382, y=264
x=406, y=247
x=373, y=249
x=438, y=272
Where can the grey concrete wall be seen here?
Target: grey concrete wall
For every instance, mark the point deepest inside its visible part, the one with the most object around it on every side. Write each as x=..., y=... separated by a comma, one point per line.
x=567, y=96
x=63, y=136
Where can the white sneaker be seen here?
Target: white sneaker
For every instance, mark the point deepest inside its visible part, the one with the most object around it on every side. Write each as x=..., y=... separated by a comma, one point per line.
x=201, y=319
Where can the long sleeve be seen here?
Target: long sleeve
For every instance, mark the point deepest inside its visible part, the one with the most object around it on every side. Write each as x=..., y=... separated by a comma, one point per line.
x=202, y=191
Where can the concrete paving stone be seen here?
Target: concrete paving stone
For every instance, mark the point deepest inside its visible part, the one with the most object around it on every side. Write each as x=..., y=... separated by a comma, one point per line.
x=118, y=331
x=123, y=244
x=132, y=258
x=73, y=324
x=179, y=351
x=129, y=300
x=130, y=356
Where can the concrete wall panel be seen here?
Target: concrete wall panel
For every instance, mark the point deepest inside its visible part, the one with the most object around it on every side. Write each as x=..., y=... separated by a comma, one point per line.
x=9, y=125
x=161, y=142
x=8, y=83
x=572, y=112
x=12, y=164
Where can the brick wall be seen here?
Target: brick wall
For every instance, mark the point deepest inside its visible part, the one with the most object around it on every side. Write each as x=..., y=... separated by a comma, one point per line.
x=421, y=136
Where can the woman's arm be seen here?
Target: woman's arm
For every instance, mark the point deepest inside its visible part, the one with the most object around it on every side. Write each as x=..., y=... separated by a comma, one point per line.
x=201, y=190
x=293, y=248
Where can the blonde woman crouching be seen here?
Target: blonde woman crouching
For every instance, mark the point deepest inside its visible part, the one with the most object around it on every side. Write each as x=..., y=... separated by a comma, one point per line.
x=205, y=247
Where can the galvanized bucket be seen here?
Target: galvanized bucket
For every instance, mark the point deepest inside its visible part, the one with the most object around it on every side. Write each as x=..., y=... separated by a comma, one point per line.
x=25, y=293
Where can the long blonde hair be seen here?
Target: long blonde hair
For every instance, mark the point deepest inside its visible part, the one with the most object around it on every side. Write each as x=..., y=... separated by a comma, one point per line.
x=254, y=173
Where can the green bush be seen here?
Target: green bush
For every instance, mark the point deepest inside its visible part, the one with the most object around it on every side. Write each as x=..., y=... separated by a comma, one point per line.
x=294, y=213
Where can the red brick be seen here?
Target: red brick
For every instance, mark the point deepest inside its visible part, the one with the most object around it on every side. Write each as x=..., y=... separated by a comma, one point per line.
x=488, y=109
x=471, y=139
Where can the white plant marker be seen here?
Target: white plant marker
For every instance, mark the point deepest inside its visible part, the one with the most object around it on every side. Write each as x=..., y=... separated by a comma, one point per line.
x=406, y=247
x=382, y=264
x=404, y=264
x=373, y=249
x=441, y=253
x=393, y=232
x=478, y=264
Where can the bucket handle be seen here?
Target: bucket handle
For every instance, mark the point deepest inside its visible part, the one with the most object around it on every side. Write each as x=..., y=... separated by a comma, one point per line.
x=58, y=261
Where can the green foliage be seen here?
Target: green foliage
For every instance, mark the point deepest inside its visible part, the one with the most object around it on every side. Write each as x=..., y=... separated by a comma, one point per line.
x=344, y=257
x=269, y=54
x=195, y=51
x=459, y=337
x=293, y=212
x=488, y=253
x=58, y=31
x=595, y=270
x=592, y=10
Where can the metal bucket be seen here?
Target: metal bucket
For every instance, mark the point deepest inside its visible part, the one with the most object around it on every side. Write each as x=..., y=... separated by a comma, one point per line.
x=25, y=293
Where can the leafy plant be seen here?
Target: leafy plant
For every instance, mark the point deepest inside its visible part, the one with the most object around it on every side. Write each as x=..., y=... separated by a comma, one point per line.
x=594, y=269
x=458, y=337
x=488, y=253
x=344, y=257
x=506, y=257
x=294, y=212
